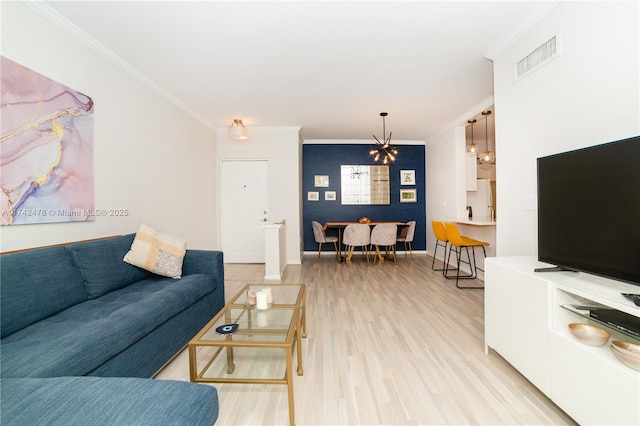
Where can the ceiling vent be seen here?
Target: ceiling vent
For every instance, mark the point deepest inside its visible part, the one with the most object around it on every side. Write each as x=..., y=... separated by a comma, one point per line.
x=537, y=58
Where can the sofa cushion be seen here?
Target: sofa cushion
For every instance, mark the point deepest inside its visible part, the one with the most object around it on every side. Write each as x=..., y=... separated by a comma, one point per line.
x=92, y=332
x=157, y=252
x=101, y=265
x=86, y=401
x=36, y=284
x=151, y=353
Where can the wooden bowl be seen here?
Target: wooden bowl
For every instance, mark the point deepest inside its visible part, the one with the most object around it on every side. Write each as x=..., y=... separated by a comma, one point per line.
x=364, y=220
x=588, y=334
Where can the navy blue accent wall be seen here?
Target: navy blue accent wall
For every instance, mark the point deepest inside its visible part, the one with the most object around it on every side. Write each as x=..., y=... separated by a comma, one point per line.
x=327, y=159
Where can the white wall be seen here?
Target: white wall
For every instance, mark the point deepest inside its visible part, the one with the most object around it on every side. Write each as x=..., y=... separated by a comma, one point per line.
x=282, y=148
x=588, y=95
x=442, y=183
x=150, y=157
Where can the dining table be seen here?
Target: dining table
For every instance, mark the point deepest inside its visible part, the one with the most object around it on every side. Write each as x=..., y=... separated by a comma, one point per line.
x=340, y=225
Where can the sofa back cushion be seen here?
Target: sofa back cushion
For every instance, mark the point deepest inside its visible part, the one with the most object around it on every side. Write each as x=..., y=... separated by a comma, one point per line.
x=101, y=265
x=36, y=284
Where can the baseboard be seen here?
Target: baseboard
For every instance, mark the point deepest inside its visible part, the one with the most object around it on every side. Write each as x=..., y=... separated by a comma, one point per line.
x=333, y=253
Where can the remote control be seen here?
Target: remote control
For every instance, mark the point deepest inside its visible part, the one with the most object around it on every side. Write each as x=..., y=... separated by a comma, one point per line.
x=635, y=298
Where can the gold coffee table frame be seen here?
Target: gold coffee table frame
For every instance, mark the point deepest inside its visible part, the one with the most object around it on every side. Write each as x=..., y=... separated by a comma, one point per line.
x=283, y=328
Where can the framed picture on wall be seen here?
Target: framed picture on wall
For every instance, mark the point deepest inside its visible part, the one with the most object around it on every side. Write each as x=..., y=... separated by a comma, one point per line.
x=330, y=195
x=321, y=181
x=408, y=196
x=313, y=195
x=407, y=177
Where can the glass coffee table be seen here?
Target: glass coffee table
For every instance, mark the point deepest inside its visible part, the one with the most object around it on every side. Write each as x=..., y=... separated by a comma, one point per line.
x=260, y=349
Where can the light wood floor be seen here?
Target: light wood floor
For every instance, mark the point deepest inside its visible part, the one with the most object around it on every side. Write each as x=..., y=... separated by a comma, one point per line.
x=388, y=344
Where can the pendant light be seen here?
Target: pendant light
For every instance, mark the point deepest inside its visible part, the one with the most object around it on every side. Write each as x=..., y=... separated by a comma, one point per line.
x=237, y=131
x=487, y=156
x=383, y=149
x=472, y=147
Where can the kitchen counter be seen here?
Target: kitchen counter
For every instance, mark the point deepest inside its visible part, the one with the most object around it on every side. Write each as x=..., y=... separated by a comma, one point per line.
x=477, y=221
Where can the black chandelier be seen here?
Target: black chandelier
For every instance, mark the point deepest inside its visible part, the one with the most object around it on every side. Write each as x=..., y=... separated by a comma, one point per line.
x=383, y=149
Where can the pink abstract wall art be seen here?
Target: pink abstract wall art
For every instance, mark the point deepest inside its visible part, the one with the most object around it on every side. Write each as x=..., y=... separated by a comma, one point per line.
x=46, y=149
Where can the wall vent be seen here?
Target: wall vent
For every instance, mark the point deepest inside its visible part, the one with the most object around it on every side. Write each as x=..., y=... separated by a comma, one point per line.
x=538, y=57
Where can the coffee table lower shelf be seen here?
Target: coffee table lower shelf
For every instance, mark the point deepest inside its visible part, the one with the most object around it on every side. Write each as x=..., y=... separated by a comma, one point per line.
x=253, y=353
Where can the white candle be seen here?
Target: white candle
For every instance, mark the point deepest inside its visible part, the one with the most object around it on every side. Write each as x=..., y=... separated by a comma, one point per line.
x=269, y=296
x=261, y=301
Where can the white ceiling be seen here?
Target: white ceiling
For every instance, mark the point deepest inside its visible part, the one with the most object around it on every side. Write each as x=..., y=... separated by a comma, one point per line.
x=329, y=67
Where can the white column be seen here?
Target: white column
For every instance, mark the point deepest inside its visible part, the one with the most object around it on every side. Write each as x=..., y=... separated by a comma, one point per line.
x=275, y=247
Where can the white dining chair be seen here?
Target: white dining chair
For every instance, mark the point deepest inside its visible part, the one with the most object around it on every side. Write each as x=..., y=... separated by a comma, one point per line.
x=357, y=235
x=321, y=237
x=406, y=236
x=384, y=234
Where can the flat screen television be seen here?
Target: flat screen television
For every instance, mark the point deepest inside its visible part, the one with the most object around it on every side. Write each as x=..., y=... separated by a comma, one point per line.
x=589, y=210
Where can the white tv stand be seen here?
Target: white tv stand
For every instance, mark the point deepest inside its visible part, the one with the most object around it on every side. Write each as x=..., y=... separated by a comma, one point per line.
x=526, y=325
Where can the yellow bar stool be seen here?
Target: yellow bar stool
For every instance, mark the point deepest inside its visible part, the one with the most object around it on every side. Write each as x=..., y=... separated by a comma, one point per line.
x=458, y=243
x=441, y=241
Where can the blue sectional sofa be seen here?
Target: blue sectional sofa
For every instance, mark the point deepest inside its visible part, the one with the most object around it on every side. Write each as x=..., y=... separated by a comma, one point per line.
x=79, y=310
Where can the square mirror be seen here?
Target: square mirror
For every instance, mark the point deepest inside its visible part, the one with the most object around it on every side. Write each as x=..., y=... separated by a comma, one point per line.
x=364, y=184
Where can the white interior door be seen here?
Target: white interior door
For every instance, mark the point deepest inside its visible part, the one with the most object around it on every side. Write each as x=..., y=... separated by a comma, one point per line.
x=244, y=210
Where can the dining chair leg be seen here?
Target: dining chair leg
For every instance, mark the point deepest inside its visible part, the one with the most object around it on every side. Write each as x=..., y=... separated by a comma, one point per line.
x=338, y=252
x=407, y=244
x=378, y=255
x=392, y=249
x=350, y=253
x=319, y=249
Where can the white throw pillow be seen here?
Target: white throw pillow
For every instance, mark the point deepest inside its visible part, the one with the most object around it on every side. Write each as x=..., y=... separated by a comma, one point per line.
x=156, y=252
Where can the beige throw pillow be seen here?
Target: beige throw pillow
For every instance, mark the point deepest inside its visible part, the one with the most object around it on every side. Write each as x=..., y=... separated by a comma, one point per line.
x=156, y=252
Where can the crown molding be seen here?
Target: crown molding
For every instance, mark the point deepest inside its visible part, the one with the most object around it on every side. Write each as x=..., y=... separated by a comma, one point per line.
x=76, y=32
x=264, y=129
x=524, y=26
x=358, y=142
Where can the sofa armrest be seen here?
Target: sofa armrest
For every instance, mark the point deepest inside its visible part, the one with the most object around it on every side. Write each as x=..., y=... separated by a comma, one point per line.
x=204, y=262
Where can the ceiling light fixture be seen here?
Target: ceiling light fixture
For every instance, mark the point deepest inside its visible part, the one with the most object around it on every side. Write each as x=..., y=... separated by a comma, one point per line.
x=472, y=147
x=237, y=131
x=383, y=149
x=487, y=157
